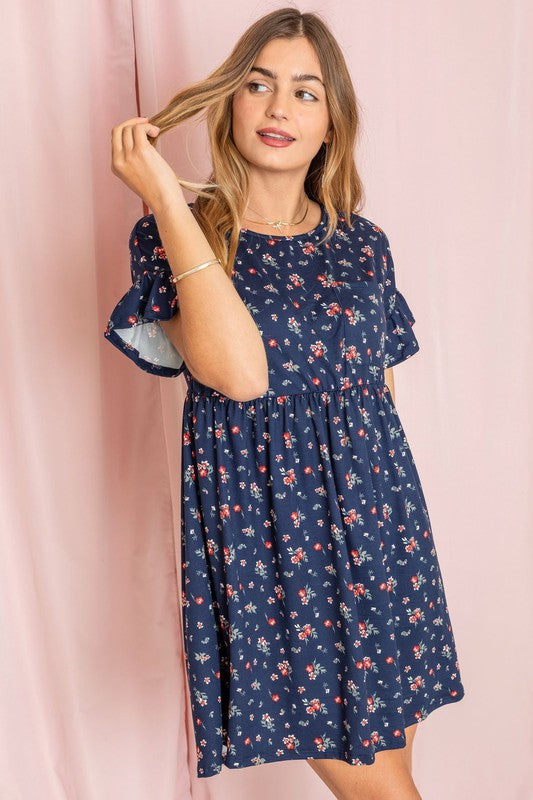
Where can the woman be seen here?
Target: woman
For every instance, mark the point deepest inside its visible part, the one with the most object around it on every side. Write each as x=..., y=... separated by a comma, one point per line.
x=314, y=613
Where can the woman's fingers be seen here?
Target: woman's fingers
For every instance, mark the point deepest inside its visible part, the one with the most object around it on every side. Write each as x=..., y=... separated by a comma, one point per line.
x=117, y=133
x=127, y=136
x=140, y=132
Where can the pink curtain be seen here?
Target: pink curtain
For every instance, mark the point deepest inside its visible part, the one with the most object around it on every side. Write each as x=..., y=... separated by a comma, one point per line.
x=94, y=695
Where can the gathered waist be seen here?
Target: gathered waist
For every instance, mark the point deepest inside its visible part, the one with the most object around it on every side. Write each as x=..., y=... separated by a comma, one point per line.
x=371, y=377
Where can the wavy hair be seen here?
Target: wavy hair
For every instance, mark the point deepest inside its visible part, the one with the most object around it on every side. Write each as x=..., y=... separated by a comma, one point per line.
x=220, y=203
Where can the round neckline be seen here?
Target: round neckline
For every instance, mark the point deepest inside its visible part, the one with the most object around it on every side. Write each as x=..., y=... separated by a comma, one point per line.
x=248, y=232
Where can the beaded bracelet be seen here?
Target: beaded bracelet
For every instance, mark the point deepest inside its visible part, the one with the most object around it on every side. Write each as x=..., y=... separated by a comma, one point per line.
x=176, y=278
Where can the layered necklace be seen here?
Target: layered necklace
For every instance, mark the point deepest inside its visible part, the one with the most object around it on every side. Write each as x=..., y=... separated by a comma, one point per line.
x=278, y=224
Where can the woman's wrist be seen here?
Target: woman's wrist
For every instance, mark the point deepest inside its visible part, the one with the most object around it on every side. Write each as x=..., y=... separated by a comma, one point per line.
x=168, y=201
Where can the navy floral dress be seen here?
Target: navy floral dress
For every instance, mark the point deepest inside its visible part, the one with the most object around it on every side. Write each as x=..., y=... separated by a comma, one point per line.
x=315, y=619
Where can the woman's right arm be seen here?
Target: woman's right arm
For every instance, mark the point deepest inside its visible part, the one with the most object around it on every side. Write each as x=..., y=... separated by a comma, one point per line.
x=210, y=327
x=213, y=329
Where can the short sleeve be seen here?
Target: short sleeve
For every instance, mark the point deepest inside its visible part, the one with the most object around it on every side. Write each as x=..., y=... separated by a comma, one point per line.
x=134, y=326
x=400, y=340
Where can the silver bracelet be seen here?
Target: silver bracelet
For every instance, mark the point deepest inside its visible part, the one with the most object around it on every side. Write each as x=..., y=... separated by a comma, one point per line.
x=176, y=278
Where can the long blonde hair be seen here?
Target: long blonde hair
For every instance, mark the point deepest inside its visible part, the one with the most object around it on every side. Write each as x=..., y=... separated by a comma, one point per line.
x=220, y=203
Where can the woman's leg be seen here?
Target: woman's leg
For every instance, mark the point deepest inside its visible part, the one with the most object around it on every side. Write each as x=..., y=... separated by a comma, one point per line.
x=388, y=778
x=408, y=749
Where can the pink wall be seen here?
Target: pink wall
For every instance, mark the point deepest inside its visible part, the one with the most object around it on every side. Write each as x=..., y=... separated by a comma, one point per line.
x=94, y=703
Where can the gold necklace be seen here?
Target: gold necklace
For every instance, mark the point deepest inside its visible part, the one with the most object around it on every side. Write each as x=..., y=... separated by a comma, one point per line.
x=277, y=224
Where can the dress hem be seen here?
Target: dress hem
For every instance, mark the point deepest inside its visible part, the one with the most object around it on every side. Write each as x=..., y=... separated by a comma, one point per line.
x=333, y=752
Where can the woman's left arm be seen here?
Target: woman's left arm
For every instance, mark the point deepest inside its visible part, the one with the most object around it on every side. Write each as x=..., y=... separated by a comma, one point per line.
x=389, y=380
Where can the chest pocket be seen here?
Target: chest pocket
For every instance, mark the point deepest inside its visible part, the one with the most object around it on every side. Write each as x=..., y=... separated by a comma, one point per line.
x=364, y=319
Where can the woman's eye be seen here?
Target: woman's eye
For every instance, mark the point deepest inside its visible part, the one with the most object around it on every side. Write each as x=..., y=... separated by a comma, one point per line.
x=309, y=93
x=256, y=83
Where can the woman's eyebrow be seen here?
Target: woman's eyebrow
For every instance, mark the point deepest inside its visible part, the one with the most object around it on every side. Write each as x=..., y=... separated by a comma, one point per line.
x=269, y=74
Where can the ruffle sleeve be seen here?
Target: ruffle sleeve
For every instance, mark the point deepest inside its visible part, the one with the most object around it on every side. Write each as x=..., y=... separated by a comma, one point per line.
x=133, y=326
x=400, y=340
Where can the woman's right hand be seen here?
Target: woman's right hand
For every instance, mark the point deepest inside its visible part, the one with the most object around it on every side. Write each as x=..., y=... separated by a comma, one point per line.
x=136, y=162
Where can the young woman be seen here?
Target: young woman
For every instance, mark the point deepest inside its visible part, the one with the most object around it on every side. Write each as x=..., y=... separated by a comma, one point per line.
x=315, y=619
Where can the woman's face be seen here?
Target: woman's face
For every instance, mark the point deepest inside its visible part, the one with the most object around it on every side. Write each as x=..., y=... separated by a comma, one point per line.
x=278, y=100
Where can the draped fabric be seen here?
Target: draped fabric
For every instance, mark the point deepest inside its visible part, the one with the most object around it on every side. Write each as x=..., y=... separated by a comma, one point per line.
x=94, y=700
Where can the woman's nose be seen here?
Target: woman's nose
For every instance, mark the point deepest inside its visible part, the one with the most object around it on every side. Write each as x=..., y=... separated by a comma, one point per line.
x=279, y=105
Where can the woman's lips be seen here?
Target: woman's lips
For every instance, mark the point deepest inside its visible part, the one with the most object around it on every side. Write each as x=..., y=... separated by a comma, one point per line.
x=273, y=142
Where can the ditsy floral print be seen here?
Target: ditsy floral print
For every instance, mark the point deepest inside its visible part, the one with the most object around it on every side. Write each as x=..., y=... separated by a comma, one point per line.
x=315, y=618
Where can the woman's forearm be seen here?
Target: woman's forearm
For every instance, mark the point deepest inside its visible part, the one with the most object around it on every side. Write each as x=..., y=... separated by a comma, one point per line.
x=215, y=332
x=389, y=380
